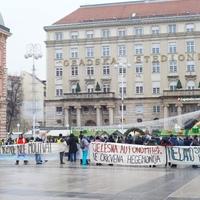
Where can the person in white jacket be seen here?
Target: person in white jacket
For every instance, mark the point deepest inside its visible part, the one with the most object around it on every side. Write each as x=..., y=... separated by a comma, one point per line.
x=62, y=147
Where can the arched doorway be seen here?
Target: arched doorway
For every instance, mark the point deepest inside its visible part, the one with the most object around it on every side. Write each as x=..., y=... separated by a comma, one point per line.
x=90, y=123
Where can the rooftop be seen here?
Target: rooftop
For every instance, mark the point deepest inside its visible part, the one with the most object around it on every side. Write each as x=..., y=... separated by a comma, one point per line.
x=2, y=26
x=131, y=9
x=1, y=20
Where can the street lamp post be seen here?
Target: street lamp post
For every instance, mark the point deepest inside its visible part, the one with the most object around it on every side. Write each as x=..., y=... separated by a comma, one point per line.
x=18, y=126
x=33, y=51
x=122, y=67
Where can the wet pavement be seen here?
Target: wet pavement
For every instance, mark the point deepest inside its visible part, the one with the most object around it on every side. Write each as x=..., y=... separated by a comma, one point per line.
x=72, y=181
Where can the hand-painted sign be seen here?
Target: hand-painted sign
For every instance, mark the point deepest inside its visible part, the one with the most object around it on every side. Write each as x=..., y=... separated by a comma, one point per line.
x=29, y=148
x=184, y=155
x=125, y=154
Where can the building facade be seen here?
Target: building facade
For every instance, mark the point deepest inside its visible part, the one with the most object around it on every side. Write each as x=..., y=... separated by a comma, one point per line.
x=32, y=100
x=130, y=62
x=4, y=33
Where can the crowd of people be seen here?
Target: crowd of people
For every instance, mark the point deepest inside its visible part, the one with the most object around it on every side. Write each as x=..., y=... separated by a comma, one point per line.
x=74, y=147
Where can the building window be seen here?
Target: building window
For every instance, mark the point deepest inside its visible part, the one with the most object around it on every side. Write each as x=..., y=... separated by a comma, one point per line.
x=156, y=109
x=74, y=52
x=172, y=28
x=172, y=47
x=139, y=88
x=105, y=51
x=90, y=52
x=105, y=33
x=74, y=70
x=155, y=48
x=121, y=32
x=59, y=72
x=155, y=67
x=124, y=108
x=155, y=30
x=89, y=34
x=90, y=70
x=121, y=50
x=173, y=66
x=74, y=122
x=190, y=85
x=58, y=36
x=122, y=90
x=172, y=108
x=189, y=27
x=190, y=46
x=74, y=35
x=59, y=110
x=138, y=49
x=85, y=109
x=59, y=92
x=156, y=90
x=122, y=70
x=190, y=66
x=73, y=88
x=106, y=70
x=139, y=68
x=59, y=121
x=139, y=108
x=58, y=54
x=172, y=85
x=90, y=88
x=138, y=31
x=106, y=88
x=155, y=87
x=139, y=120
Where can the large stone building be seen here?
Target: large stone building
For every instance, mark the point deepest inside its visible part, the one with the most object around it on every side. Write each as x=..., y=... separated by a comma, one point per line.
x=130, y=57
x=4, y=33
x=32, y=101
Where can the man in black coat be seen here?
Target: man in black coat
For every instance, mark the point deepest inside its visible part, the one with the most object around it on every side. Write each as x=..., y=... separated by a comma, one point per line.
x=72, y=142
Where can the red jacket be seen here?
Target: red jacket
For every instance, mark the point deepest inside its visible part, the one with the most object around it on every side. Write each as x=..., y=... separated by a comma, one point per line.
x=21, y=141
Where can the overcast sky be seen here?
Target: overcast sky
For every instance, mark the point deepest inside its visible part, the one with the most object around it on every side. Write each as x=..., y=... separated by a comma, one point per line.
x=26, y=19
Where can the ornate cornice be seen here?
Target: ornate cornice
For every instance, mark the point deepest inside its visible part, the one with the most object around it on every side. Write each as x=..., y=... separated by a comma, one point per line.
x=124, y=22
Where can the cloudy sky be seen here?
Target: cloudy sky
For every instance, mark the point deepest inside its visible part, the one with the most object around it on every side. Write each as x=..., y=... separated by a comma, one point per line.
x=26, y=19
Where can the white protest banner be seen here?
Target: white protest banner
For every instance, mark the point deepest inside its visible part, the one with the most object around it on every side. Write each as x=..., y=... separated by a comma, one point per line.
x=28, y=148
x=187, y=155
x=127, y=154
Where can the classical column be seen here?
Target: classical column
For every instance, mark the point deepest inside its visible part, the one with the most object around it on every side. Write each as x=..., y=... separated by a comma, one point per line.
x=179, y=112
x=166, y=113
x=78, y=115
x=111, y=114
x=98, y=115
x=66, y=116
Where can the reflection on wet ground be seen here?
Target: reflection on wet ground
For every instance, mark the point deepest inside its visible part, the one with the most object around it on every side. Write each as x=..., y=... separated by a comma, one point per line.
x=71, y=181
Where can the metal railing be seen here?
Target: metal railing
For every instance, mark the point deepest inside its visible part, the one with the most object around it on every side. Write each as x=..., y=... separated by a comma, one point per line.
x=96, y=95
x=179, y=92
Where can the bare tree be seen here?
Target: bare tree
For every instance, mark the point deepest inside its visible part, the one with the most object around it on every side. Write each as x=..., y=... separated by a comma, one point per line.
x=14, y=101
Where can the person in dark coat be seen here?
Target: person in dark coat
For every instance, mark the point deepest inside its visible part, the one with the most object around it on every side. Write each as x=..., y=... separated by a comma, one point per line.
x=72, y=142
x=187, y=141
x=111, y=139
x=195, y=142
